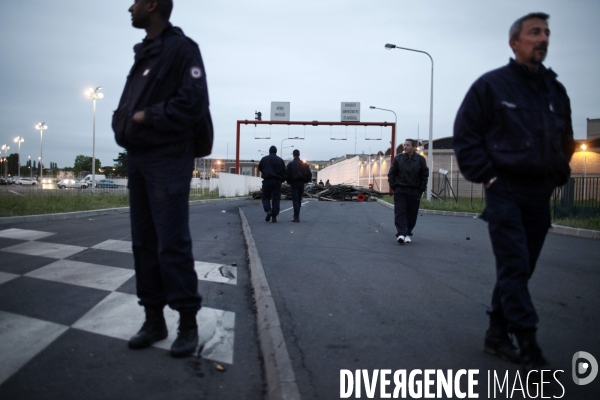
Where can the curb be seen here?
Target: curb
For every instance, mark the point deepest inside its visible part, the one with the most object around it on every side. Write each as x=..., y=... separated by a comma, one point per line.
x=281, y=380
x=90, y=213
x=558, y=229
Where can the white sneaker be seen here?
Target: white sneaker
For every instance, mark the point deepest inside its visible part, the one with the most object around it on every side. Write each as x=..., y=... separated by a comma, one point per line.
x=400, y=239
x=407, y=239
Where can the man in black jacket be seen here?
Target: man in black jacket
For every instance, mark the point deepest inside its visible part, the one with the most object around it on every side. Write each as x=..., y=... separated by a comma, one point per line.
x=272, y=169
x=513, y=133
x=164, y=100
x=408, y=177
x=298, y=173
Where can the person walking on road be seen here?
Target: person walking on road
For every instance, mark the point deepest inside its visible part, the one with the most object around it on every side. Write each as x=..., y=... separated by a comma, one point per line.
x=273, y=171
x=164, y=101
x=408, y=177
x=513, y=133
x=298, y=173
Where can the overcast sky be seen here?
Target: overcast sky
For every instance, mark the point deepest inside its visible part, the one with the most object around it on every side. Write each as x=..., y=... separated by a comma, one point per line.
x=314, y=54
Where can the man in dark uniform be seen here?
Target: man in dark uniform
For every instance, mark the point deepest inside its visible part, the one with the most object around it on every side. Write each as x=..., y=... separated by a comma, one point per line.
x=408, y=177
x=298, y=173
x=513, y=133
x=272, y=169
x=164, y=101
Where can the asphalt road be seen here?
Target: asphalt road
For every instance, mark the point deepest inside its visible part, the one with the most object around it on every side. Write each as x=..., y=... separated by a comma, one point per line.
x=78, y=364
x=347, y=296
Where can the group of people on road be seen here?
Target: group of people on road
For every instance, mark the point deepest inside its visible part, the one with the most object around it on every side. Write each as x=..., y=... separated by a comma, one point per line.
x=513, y=133
x=274, y=172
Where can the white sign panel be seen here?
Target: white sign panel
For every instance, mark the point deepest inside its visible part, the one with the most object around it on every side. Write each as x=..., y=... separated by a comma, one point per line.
x=280, y=111
x=350, y=111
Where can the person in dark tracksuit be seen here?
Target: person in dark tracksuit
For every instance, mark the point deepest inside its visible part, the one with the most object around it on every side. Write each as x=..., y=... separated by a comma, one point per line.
x=298, y=173
x=408, y=176
x=513, y=133
x=164, y=100
x=273, y=170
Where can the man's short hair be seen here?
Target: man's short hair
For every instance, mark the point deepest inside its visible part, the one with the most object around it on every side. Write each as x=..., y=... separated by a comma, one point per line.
x=296, y=153
x=517, y=26
x=164, y=8
x=272, y=150
x=412, y=141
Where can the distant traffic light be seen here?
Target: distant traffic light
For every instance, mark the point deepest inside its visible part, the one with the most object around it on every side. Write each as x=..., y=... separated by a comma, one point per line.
x=258, y=115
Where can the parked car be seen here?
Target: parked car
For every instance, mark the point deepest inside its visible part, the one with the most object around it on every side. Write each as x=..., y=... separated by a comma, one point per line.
x=13, y=180
x=3, y=181
x=88, y=179
x=72, y=183
x=26, y=181
x=106, y=183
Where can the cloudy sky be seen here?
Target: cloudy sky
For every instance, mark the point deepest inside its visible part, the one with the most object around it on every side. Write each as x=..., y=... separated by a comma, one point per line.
x=315, y=54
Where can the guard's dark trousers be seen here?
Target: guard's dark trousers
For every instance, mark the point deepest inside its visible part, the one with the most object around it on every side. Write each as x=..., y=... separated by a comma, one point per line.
x=406, y=210
x=159, y=188
x=297, y=188
x=271, y=189
x=518, y=217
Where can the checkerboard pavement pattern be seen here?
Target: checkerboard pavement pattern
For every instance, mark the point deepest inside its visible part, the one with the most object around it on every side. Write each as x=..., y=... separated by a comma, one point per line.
x=45, y=292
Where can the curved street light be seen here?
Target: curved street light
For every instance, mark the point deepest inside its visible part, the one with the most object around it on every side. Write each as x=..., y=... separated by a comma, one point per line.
x=389, y=46
x=41, y=127
x=94, y=95
x=19, y=140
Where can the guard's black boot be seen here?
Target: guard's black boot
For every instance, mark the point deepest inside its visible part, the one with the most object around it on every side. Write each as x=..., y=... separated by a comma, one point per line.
x=296, y=218
x=499, y=343
x=153, y=330
x=268, y=217
x=531, y=356
x=274, y=219
x=187, y=335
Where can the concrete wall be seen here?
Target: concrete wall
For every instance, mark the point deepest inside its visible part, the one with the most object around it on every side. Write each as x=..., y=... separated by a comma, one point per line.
x=231, y=185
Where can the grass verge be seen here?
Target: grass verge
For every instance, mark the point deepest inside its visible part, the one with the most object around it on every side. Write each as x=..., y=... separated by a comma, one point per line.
x=476, y=206
x=36, y=204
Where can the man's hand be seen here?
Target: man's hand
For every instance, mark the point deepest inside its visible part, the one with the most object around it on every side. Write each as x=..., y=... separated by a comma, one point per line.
x=139, y=117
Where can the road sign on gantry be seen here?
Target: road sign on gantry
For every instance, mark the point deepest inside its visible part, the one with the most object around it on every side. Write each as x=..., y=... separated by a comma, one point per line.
x=350, y=111
x=280, y=111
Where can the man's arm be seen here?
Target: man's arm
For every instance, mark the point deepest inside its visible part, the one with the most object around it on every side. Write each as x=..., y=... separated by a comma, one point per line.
x=392, y=173
x=189, y=105
x=470, y=127
x=424, y=174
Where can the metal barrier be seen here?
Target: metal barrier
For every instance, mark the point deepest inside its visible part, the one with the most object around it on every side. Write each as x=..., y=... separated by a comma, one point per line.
x=578, y=197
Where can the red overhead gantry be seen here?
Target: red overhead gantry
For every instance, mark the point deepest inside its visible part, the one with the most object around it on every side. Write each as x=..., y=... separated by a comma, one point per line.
x=312, y=123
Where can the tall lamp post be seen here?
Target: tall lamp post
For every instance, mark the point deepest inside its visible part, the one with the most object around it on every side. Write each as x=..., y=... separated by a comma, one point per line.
x=389, y=46
x=5, y=148
x=41, y=127
x=19, y=140
x=30, y=169
x=94, y=95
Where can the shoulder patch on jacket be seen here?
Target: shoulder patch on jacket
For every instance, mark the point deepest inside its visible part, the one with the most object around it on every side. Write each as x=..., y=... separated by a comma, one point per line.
x=196, y=72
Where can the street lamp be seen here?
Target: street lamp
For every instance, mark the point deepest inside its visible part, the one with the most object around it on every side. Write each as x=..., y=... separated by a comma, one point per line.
x=19, y=140
x=41, y=127
x=389, y=46
x=94, y=95
x=30, y=170
x=5, y=148
x=296, y=137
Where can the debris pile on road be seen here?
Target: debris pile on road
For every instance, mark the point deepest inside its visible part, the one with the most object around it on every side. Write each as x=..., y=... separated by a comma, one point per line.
x=330, y=193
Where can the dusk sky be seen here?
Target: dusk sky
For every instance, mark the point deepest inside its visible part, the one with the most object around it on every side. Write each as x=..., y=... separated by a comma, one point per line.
x=313, y=54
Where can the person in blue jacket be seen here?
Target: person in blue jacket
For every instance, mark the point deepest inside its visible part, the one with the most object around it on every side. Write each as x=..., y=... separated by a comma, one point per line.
x=298, y=173
x=272, y=169
x=164, y=100
x=513, y=134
